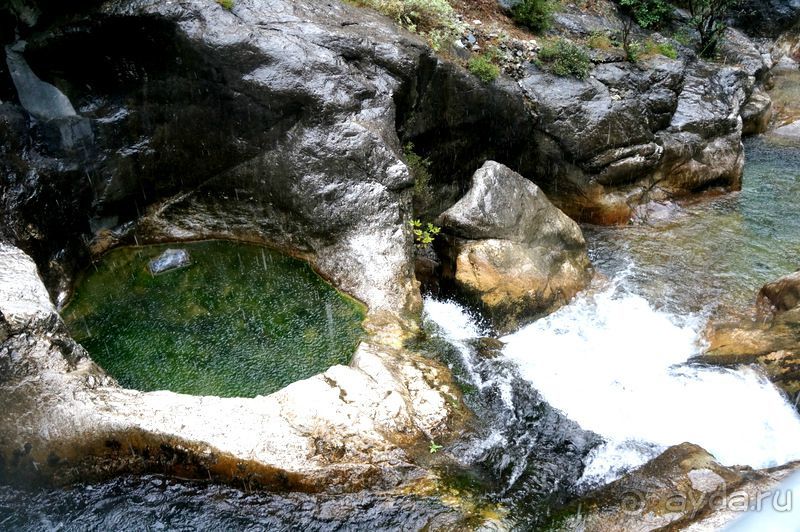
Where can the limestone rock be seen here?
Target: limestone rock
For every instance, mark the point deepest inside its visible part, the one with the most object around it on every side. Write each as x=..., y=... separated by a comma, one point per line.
x=773, y=343
x=512, y=251
x=683, y=486
x=756, y=113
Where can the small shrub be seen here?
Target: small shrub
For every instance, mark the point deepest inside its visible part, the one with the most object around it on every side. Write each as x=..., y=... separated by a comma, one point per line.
x=600, y=41
x=564, y=58
x=424, y=234
x=648, y=13
x=433, y=19
x=709, y=19
x=483, y=68
x=682, y=37
x=226, y=4
x=535, y=14
x=633, y=50
x=434, y=448
x=666, y=49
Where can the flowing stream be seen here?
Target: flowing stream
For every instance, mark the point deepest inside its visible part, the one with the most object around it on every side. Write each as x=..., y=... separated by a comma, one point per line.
x=615, y=359
x=614, y=362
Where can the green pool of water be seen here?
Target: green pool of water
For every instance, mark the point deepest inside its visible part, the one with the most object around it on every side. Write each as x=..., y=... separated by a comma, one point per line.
x=241, y=321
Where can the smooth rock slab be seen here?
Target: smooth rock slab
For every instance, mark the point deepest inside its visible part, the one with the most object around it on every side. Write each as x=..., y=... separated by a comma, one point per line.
x=171, y=259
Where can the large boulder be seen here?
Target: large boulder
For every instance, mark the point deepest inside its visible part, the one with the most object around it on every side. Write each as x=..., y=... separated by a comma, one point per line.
x=682, y=488
x=511, y=250
x=767, y=18
x=628, y=135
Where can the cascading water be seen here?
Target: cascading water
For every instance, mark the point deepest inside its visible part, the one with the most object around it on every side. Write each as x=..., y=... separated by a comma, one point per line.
x=617, y=366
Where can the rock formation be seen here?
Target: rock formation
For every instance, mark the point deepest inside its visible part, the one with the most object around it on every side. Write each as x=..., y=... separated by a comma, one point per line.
x=683, y=488
x=511, y=250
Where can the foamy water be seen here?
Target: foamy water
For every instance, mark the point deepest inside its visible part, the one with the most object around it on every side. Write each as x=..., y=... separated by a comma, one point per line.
x=614, y=364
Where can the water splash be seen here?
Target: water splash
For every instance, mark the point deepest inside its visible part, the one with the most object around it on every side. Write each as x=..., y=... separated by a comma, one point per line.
x=616, y=365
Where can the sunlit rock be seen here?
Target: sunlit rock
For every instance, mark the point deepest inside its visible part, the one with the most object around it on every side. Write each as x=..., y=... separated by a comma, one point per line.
x=684, y=487
x=511, y=250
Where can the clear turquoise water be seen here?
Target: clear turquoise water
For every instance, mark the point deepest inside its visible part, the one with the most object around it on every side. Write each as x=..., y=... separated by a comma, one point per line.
x=714, y=254
x=242, y=320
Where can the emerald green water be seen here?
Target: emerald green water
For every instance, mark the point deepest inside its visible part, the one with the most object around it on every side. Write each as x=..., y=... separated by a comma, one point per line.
x=241, y=321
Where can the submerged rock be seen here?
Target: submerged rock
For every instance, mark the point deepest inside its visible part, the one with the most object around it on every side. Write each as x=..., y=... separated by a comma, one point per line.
x=170, y=259
x=511, y=250
x=682, y=487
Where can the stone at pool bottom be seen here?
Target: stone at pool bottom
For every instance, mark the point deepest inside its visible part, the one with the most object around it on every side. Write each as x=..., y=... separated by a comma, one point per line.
x=171, y=259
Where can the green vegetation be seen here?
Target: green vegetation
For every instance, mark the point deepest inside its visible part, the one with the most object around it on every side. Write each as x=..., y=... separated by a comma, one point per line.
x=660, y=48
x=599, y=40
x=434, y=19
x=419, y=167
x=648, y=13
x=434, y=448
x=708, y=18
x=564, y=58
x=483, y=68
x=424, y=234
x=682, y=37
x=242, y=320
x=535, y=14
x=226, y=4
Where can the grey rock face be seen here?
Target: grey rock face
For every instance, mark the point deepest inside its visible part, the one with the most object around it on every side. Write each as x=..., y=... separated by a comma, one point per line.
x=627, y=134
x=171, y=259
x=41, y=99
x=767, y=18
x=511, y=250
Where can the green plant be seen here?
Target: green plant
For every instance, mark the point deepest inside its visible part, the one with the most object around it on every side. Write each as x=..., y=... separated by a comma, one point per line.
x=535, y=14
x=565, y=58
x=435, y=447
x=419, y=168
x=434, y=19
x=682, y=37
x=599, y=40
x=424, y=234
x=708, y=18
x=483, y=68
x=660, y=48
x=648, y=13
x=226, y=4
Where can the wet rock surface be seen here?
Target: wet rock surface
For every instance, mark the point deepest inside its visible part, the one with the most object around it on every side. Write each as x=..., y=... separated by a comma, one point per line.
x=782, y=294
x=684, y=487
x=772, y=342
x=511, y=250
x=341, y=430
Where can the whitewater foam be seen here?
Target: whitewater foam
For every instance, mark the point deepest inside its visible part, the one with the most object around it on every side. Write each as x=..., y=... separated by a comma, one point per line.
x=616, y=365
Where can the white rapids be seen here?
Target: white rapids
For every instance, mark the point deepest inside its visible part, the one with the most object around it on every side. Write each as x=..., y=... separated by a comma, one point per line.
x=614, y=364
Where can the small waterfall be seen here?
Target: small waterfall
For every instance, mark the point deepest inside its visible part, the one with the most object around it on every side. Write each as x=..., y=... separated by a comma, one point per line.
x=617, y=366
